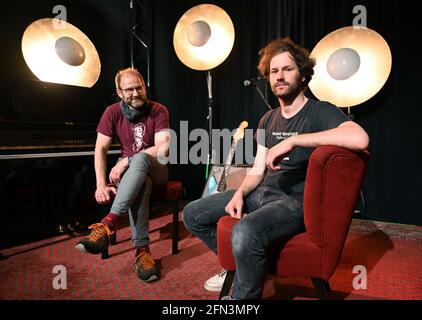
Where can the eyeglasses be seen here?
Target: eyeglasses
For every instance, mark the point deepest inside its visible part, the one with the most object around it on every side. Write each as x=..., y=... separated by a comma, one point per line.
x=132, y=90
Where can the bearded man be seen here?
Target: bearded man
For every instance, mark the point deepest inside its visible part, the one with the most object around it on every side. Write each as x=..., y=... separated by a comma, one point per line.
x=142, y=128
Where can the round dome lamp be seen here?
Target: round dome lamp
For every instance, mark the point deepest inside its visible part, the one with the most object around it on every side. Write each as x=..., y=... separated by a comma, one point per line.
x=352, y=65
x=60, y=55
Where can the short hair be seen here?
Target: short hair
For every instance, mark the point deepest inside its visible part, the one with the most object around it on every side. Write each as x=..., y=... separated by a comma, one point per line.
x=300, y=55
x=122, y=72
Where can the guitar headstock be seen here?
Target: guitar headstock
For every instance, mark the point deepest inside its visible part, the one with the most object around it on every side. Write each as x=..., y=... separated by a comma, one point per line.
x=240, y=132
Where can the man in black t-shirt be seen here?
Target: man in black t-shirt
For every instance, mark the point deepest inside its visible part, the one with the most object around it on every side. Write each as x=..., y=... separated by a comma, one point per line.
x=314, y=116
x=269, y=202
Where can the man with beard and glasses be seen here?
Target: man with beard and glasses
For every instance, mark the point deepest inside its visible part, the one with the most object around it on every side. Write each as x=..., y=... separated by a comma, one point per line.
x=269, y=202
x=142, y=128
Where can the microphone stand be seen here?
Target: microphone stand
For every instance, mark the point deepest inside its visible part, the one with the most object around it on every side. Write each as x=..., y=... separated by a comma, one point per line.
x=262, y=96
x=253, y=82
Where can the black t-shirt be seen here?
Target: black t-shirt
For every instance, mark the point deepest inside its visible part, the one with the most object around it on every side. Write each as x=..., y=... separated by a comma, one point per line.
x=315, y=116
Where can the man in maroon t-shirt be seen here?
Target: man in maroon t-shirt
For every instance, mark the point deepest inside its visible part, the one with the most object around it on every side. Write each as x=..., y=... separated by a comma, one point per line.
x=142, y=127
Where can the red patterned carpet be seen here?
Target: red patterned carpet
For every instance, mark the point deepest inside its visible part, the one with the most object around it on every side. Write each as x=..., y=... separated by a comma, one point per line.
x=391, y=253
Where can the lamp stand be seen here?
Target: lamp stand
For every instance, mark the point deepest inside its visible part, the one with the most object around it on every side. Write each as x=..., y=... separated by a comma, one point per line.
x=361, y=212
x=209, y=119
x=349, y=114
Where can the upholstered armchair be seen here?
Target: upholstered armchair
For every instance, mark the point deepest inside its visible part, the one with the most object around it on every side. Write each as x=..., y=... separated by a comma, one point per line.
x=332, y=186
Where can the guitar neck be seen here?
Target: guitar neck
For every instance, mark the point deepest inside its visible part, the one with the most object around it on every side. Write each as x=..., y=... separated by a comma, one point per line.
x=222, y=184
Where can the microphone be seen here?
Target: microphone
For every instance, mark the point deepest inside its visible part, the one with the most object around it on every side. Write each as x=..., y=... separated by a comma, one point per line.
x=252, y=81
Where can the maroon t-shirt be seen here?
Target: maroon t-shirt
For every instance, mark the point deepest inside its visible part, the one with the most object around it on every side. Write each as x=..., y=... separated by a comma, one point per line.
x=134, y=137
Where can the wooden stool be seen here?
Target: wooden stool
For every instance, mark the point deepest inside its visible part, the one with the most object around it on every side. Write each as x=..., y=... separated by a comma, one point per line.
x=169, y=195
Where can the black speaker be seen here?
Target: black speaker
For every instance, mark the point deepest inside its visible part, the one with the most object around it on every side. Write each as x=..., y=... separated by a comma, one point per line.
x=235, y=176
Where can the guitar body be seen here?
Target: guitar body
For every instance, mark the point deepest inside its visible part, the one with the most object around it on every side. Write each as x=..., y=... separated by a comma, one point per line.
x=234, y=179
x=217, y=181
x=212, y=183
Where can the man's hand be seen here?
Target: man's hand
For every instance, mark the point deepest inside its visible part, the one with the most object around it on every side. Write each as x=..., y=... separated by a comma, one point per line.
x=117, y=171
x=103, y=194
x=280, y=150
x=234, y=207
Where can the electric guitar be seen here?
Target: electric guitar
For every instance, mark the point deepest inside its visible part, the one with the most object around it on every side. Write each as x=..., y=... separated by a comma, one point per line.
x=212, y=185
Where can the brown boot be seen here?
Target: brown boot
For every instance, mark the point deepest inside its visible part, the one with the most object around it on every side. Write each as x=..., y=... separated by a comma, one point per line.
x=98, y=240
x=145, y=268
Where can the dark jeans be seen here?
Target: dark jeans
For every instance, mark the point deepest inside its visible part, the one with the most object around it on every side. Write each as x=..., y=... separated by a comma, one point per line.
x=273, y=216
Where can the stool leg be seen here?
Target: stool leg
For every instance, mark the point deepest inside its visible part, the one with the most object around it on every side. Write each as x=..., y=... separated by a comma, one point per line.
x=113, y=238
x=104, y=254
x=175, y=240
x=322, y=288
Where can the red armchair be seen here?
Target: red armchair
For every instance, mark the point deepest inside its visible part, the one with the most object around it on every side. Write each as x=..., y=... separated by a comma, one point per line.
x=332, y=185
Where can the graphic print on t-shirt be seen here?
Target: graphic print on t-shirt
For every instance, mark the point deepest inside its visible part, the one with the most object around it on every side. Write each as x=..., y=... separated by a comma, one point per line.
x=138, y=136
x=283, y=135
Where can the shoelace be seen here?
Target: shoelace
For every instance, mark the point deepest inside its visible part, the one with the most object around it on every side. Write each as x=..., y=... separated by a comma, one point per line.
x=146, y=260
x=99, y=230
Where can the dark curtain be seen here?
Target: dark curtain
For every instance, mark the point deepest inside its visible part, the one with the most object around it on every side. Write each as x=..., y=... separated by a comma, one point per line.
x=391, y=118
x=394, y=176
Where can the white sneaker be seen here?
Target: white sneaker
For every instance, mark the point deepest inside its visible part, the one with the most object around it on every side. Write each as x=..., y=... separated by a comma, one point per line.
x=227, y=298
x=215, y=283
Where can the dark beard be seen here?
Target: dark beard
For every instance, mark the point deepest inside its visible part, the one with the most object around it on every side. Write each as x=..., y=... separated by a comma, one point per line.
x=291, y=94
x=132, y=114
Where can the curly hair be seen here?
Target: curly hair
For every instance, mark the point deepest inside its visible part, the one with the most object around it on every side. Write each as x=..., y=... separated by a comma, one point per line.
x=300, y=55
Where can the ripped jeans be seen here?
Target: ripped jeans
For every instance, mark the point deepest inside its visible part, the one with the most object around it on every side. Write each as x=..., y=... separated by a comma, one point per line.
x=272, y=217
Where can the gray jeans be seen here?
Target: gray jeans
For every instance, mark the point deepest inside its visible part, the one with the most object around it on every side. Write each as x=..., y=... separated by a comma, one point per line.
x=273, y=217
x=134, y=191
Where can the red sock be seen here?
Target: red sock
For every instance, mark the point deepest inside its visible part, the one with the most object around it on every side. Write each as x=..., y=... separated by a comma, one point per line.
x=140, y=249
x=111, y=220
